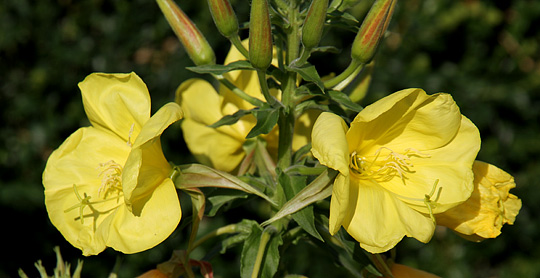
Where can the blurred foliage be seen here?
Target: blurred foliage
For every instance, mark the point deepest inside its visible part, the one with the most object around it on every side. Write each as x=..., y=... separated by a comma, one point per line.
x=485, y=53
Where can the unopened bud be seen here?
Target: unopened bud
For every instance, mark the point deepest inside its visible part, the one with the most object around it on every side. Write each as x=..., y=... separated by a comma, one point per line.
x=194, y=42
x=224, y=17
x=372, y=30
x=260, y=35
x=314, y=23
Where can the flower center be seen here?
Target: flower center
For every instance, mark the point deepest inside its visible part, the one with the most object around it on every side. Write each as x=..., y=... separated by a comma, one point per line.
x=384, y=167
x=111, y=178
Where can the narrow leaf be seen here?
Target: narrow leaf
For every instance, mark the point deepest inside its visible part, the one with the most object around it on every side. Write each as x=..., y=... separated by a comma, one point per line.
x=344, y=100
x=317, y=190
x=230, y=119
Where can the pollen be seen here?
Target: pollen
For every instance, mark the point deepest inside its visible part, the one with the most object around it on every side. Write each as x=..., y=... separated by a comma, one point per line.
x=384, y=164
x=111, y=179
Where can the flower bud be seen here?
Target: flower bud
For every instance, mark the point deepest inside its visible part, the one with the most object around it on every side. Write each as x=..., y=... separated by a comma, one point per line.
x=314, y=23
x=260, y=35
x=224, y=17
x=194, y=42
x=372, y=30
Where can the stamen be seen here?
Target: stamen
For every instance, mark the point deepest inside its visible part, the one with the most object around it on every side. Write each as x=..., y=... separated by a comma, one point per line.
x=130, y=134
x=85, y=202
x=394, y=164
x=431, y=204
x=111, y=178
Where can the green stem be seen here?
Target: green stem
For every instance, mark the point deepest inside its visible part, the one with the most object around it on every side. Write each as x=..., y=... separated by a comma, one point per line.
x=229, y=229
x=235, y=40
x=347, y=73
x=265, y=238
x=264, y=88
x=237, y=91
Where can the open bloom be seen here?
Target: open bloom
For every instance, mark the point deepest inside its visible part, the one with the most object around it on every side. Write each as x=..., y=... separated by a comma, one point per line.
x=404, y=158
x=221, y=147
x=489, y=207
x=108, y=184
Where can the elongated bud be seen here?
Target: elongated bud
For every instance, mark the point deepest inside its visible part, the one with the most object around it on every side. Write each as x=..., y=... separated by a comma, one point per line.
x=314, y=23
x=372, y=30
x=260, y=35
x=224, y=17
x=194, y=42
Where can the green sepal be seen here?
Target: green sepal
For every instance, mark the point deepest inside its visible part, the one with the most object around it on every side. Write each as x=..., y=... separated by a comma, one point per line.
x=267, y=118
x=222, y=69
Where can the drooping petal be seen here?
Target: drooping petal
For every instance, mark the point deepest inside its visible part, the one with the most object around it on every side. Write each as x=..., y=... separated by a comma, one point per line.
x=130, y=233
x=116, y=102
x=379, y=220
x=146, y=166
x=76, y=167
x=489, y=207
x=329, y=144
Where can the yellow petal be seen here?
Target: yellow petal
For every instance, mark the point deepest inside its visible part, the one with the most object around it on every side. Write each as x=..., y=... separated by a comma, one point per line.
x=203, y=105
x=116, y=102
x=77, y=162
x=161, y=214
x=146, y=166
x=339, y=203
x=303, y=127
x=213, y=147
x=399, y=120
x=378, y=220
x=489, y=207
x=329, y=144
x=451, y=165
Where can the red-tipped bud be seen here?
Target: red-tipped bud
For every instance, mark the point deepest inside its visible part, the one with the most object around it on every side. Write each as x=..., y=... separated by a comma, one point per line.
x=260, y=35
x=372, y=30
x=314, y=23
x=224, y=17
x=194, y=42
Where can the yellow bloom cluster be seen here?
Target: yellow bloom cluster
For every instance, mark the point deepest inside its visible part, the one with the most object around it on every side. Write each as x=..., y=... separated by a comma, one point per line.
x=108, y=184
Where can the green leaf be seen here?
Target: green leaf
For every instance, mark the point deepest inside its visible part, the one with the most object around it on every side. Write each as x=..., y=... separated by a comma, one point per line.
x=304, y=217
x=308, y=73
x=197, y=175
x=222, y=69
x=344, y=100
x=267, y=118
x=224, y=198
x=251, y=247
x=230, y=119
x=318, y=189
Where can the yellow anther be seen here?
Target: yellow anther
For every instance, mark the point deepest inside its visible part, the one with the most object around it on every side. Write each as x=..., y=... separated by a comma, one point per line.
x=111, y=178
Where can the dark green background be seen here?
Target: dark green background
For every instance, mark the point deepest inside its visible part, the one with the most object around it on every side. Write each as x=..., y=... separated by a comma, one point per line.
x=485, y=53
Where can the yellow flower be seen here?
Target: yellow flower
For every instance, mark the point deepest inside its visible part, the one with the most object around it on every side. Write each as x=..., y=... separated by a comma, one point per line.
x=107, y=184
x=405, y=157
x=489, y=207
x=221, y=147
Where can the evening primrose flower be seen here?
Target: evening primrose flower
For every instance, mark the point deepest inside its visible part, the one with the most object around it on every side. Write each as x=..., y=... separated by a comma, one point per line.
x=108, y=184
x=221, y=147
x=404, y=158
x=489, y=207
